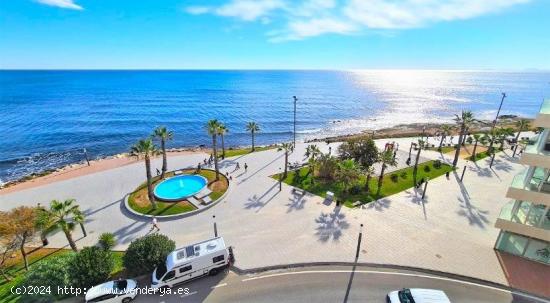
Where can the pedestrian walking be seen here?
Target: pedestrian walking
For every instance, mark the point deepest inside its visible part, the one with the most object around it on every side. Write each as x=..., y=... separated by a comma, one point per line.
x=238, y=166
x=245, y=167
x=158, y=172
x=154, y=224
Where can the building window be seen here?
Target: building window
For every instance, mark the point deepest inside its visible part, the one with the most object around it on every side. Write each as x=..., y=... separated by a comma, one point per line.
x=535, y=214
x=512, y=243
x=218, y=259
x=546, y=220
x=185, y=268
x=538, y=251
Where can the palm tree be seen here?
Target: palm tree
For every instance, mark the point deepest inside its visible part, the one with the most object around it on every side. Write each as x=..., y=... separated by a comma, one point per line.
x=477, y=138
x=368, y=171
x=212, y=127
x=420, y=145
x=253, y=128
x=222, y=131
x=463, y=121
x=164, y=135
x=386, y=158
x=504, y=133
x=65, y=216
x=286, y=147
x=312, y=151
x=147, y=149
x=445, y=131
x=522, y=125
x=347, y=173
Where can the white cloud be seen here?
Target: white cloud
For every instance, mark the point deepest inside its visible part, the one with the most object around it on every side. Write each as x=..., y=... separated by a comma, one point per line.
x=249, y=10
x=312, y=18
x=62, y=3
x=384, y=14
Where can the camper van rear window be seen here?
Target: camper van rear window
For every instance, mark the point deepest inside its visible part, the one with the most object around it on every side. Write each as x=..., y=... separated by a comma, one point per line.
x=217, y=259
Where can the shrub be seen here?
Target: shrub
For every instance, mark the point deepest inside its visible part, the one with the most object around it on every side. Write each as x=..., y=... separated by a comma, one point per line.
x=404, y=175
x=427, y=168
x=52, y=272
x=107, y=241
x=437, y=164
x=145, y=253
x=91, y=266
x=394, y=177
x=354, y=190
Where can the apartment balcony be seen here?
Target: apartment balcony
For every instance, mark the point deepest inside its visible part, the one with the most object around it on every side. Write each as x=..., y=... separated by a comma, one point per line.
x=543, y=117
x=535, y=190
x=537, y=152
x=528, y=219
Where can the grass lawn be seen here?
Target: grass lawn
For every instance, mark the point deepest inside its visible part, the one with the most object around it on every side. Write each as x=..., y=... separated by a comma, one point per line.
x=444, y=149
x=139, y=201
x=479, y=156
x=402, y=179
x=244, y=151
x=16, y=269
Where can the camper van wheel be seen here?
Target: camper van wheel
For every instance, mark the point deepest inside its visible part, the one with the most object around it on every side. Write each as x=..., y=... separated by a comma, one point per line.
x=213, y=272
x=126, y=300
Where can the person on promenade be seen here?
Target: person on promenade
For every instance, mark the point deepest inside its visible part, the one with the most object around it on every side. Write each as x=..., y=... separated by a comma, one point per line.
x=158, y=172
x=154, y=224
x=238, y=166
x=245, y=167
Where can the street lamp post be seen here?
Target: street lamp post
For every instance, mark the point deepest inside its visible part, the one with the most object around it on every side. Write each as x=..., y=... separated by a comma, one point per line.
x=295, y=100
x=410, y=151
x=463, y=172
x=359, y=241
x=86, y=156
x=280, y=180
x=215, y=226
x=495, y=122
x=492, y=159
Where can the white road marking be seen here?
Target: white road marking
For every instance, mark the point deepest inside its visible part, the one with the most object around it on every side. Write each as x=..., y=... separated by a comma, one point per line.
x=219, y=285
x=189, y=294
x=389, y=273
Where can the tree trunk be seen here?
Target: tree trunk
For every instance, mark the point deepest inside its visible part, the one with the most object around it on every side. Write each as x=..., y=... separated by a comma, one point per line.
x=441, y=142
x=214, y=148
x=380, y=178
x=367, y=189
x=4, y=275
x=23, y=252
x=149, y=182
x=416, y=160
x=223, y=148
x=457, y=152
x=70, y=239
x=474, y=152
x=164, y=161
x=517, y=136
x=252, y=141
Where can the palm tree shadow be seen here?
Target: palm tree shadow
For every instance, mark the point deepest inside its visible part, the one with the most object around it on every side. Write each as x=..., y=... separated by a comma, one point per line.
x=330, y=226
x=297, y=202
x=261, y=168
x=379, y=205
x=474, y=215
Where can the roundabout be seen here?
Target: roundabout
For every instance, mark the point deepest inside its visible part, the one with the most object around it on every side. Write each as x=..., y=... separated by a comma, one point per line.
x=179, y=187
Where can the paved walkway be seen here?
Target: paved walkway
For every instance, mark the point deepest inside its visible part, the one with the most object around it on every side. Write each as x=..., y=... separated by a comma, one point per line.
x=452, y=230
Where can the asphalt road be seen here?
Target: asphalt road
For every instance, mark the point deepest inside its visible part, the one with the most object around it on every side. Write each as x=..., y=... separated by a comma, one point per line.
x=327, y=284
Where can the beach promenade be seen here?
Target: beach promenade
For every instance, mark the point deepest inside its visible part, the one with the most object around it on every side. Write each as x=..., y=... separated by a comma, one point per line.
x=452, y=230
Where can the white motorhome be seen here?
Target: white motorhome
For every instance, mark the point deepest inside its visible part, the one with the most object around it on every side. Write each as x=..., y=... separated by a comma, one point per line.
x=196, y=260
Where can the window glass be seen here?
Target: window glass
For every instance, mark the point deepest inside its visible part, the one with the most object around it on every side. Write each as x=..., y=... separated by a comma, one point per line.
x=512, y=243
x=535, y=214
x=523, y=211
x=186, y=268
x=169, y=275
x=546, y=220
x=538, y=250
x=218, y=259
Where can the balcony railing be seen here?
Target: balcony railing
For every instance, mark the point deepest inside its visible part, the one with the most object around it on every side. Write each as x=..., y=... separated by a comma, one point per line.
x=545, y=108
x=536, y=183
x=506, y=211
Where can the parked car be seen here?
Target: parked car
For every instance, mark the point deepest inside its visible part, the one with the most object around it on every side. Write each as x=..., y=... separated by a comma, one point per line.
x=119, y=291
x=417, y=295
x=193, y=261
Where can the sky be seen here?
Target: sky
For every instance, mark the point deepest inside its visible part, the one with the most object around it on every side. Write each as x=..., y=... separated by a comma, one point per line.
x=275, y=34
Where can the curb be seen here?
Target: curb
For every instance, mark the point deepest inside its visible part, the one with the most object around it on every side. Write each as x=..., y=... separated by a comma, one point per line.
x=463, y=278
x=177, y=216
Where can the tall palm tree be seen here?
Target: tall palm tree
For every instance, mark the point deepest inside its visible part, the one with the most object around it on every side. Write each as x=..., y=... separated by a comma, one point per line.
x=463, y=121
x=312, y=151
x=348, y=173
x=164, y=135
x=64, y=216
x=522, y=125
x=420, y=145
x=147, y=149
x=504, y=133
x=212, y=127
x=476, y=138
x=445, y=130
x=222, y=131
x=253, y=128
x=286, y=147
x=387, y=159
x=369, y=171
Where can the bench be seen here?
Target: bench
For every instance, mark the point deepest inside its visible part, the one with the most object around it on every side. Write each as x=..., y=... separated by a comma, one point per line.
x=356, y=203
x=330, y=195
x=298, y=191
x=206, y=200
x=193, y=201
x=178, y=172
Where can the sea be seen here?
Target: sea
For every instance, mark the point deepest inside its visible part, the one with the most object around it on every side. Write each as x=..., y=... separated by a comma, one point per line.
x=48, y=118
